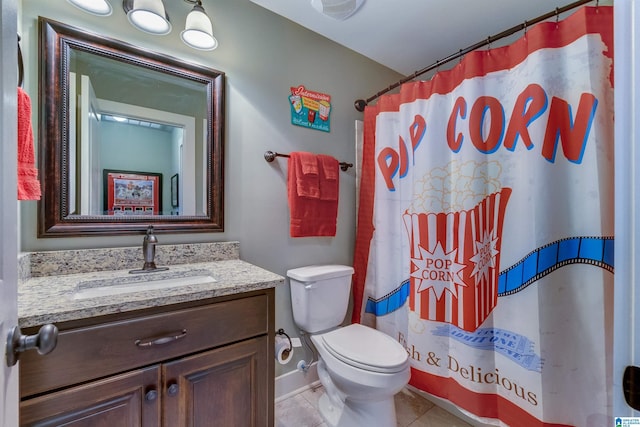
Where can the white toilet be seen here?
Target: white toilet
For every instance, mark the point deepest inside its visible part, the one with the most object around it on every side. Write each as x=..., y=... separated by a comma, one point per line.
x=360, y=368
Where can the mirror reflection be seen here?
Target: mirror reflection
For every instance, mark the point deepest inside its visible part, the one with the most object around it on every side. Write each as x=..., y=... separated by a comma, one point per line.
x=136, y=139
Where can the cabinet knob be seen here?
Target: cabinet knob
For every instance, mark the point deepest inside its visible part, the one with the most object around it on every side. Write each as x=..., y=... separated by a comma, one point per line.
x=151, y=395
x=44, y=341
x=172, y=390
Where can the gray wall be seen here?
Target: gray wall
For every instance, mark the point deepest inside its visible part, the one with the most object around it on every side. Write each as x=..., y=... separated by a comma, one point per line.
x=263, y=55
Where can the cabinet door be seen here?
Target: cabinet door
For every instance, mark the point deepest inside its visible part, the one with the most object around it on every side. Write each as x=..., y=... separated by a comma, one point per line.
x=226, y=387
x=128, y=400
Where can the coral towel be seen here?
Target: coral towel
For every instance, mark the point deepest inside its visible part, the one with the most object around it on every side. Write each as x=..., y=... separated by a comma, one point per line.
x=313, y=205
x=328, y=180
x=28, y=184
x=306, y=178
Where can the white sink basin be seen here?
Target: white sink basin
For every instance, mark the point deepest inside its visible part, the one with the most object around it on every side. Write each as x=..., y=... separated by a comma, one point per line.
x=141, y=282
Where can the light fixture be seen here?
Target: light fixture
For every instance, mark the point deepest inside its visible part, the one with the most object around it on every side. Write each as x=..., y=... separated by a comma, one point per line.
x=198, y=30
x=148, y=16
x=337, y=9
x=95, y=7
x=151, y=17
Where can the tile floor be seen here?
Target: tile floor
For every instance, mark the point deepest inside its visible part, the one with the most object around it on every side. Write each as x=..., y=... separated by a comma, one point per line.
x=412, y=410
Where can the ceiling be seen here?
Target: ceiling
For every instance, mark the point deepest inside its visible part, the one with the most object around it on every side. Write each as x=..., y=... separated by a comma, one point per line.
x=409, y=35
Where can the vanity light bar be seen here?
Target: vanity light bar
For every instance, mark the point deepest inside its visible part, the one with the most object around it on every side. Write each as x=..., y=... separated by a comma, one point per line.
x=151, y=17
x=137, y=122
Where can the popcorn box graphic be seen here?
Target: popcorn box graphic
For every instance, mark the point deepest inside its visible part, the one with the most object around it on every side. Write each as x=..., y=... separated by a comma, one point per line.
x=455, y=262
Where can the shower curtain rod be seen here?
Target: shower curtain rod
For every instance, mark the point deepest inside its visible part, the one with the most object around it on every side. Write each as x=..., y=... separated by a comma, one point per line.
x=361, y=103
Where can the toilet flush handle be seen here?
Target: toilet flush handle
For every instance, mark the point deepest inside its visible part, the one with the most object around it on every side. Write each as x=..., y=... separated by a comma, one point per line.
x=310, y=285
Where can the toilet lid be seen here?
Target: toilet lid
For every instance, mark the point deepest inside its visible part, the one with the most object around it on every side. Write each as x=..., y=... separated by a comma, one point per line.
x=365, y=348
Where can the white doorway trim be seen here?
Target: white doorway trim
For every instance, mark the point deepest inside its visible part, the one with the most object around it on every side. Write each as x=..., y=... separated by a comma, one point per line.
x=626, y=345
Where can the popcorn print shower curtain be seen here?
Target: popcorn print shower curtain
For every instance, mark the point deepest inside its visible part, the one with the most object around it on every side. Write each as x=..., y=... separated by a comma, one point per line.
x=485, y=226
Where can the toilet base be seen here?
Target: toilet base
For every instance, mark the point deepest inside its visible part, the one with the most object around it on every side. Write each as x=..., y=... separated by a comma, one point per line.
x=358, y=414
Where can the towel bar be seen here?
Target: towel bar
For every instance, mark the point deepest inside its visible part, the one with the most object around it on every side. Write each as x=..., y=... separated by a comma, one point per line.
x=270, y=156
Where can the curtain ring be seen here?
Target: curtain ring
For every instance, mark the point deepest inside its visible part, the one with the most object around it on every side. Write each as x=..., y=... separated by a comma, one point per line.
x=525, y=28
x=460, y=56
x=557, y=15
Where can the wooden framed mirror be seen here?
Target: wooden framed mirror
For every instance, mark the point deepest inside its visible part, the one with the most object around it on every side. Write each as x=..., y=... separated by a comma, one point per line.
x=106, y=105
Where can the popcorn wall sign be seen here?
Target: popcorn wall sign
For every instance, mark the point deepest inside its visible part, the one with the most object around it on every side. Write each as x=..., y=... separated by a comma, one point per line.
x=310, y=109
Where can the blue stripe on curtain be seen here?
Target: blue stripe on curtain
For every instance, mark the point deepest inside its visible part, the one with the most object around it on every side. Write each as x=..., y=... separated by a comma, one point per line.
x=596, y=251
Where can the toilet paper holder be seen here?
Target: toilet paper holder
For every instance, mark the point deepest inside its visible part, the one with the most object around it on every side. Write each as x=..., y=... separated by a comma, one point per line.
x=282, y=332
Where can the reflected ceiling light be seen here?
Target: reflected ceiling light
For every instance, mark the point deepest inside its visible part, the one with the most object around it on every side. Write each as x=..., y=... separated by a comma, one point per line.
x=337, y=9
x=198, y=30
x=148, y=16
x=95, y=7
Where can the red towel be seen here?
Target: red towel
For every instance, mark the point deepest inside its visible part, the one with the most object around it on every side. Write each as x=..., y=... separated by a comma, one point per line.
x=309, y=216
x=28, y=184
x=328, y=167
x=306, y=164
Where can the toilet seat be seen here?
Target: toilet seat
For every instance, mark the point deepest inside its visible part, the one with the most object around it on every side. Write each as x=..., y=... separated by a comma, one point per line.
x=365, y=348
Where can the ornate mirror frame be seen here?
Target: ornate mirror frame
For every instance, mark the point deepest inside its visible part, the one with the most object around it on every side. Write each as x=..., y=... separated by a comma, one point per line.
x=54, y=219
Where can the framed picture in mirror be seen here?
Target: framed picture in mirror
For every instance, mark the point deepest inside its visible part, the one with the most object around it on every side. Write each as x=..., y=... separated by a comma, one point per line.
x=132, y=193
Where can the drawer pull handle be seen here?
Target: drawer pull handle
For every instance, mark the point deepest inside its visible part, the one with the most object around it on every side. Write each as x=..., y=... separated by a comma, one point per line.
x=166, y=339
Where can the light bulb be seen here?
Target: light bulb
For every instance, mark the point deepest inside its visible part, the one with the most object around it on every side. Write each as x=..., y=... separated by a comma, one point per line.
x=95, y=7
x=149, y=16
x=198, y=31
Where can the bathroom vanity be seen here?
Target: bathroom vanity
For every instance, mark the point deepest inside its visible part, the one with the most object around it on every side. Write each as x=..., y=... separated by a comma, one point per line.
x=192, y=355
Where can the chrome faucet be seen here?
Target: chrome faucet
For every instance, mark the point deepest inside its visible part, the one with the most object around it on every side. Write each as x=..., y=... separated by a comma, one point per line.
x=149, y=252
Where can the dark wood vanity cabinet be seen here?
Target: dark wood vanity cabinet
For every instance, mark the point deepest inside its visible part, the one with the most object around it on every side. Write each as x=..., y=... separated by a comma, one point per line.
x=121, y=400
x=200, y=364
x=221, y=387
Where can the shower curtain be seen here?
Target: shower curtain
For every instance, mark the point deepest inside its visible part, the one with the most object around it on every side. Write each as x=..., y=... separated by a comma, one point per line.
x=485, y=226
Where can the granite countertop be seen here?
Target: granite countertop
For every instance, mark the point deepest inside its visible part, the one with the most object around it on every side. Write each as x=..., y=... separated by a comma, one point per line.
x=55, y=298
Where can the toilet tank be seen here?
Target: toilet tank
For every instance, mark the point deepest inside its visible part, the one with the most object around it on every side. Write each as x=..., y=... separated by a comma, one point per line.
x=320, y=296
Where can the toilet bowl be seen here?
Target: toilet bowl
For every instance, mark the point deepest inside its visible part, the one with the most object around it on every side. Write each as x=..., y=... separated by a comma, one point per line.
x=360, y=368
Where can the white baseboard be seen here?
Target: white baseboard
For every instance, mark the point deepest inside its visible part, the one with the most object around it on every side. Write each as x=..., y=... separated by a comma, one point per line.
x=295, y=382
